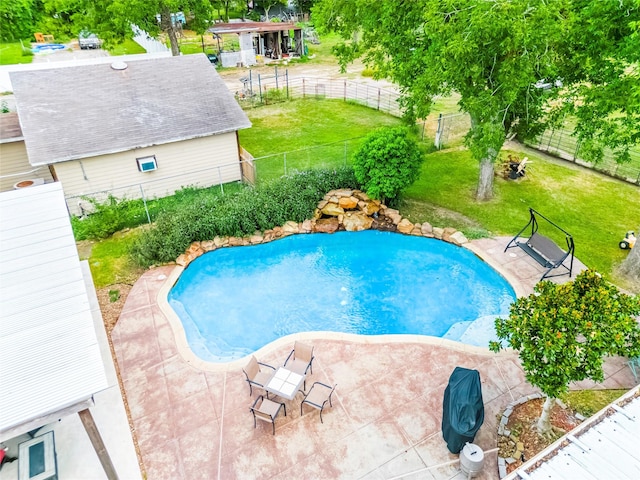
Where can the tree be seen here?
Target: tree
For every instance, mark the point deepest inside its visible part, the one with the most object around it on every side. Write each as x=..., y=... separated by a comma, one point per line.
x=304, y=6
x=266, y=5
x=17, y=19
x=563, y=332
x=224, y=5
x=387, y=162
x=492, y=53
x=112, y=19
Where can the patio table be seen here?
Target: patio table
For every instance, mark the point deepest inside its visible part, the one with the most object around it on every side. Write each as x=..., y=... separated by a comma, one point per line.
x=284, y=383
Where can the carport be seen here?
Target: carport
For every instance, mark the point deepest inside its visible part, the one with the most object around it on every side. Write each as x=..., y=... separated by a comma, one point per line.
x=269, y=39
x=51, y=363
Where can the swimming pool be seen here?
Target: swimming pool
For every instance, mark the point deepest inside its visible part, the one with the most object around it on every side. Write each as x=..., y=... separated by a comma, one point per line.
x=233, y=301
x=47, y=47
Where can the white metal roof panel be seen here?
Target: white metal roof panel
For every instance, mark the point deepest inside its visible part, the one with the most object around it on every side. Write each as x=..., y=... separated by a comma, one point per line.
x=606, y=446
x=49, y=355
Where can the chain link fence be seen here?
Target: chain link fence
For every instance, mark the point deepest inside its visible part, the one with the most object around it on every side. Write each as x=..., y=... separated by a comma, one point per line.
x=560, y=143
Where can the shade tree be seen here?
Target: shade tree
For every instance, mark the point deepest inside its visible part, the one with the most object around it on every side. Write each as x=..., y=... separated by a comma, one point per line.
x=493, y=54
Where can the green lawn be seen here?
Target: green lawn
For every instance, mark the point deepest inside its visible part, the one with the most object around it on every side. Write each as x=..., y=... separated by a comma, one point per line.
x=128, y=47
x=12, y=53
x=295, y=126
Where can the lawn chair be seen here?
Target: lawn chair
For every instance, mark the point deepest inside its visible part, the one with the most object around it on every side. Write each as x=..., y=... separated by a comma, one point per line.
x=267, y=411
x=318, y=396
x=300, y=359
x=257, y=376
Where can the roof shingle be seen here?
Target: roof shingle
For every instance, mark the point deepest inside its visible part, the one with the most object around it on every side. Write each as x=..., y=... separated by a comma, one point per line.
x=78, y=112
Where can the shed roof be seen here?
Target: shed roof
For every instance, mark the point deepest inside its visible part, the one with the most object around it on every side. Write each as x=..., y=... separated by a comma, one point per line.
x=49, y=355
x=605, y=446
x=246, y=27
x=77, y=112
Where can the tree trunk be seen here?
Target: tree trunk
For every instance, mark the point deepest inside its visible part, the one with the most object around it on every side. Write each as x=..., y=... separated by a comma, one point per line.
x=167, y=26
x=485, y=180
x=544, y=422
x=630, y=267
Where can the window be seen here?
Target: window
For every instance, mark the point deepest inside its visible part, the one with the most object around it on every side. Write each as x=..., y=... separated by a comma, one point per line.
x=147, y=164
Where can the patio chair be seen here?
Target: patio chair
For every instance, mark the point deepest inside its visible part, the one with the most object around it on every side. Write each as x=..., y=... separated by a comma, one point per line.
x=266, y=410
x=256, y=375
x=318, y=396
x=300, y=359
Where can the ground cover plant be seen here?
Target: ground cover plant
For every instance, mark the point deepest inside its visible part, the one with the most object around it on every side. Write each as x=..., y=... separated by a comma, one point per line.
x=294, y=197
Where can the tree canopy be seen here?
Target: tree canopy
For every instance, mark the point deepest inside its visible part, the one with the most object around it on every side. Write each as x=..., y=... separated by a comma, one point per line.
x=493, y=54
x=564, y=332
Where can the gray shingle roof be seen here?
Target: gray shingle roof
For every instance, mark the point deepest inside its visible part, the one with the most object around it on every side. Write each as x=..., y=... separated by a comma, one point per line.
x=78, y=112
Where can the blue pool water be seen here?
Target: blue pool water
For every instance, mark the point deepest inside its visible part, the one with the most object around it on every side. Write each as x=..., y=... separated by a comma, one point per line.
x=47, y=47
x=234, y=301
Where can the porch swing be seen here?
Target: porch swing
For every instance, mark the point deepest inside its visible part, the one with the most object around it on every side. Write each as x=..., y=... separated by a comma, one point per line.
x=542, y=249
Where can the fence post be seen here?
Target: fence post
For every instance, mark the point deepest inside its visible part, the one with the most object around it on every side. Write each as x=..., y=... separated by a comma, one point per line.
x=378, y=99
x=438, y=139
x=575, y=152
x=220, y=180
x=286, y=78
x=276, y=71
x=260, y=87
x=344, y=95
x=144, y=201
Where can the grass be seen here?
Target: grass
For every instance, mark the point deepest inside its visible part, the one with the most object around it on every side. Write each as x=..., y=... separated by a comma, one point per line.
x=12, y=53
x=297, y=125
x=110, y=262
x=128, y=47
x=590, y=402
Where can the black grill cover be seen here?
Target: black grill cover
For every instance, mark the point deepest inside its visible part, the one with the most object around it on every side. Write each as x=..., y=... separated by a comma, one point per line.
x=462, y=409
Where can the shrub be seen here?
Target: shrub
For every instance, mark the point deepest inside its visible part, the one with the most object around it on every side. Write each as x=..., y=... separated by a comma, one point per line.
x=387, y=162
x=293, y=197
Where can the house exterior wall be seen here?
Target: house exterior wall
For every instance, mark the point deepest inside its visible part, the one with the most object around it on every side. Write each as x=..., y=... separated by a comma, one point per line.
x=198, y=162
x=13, y=161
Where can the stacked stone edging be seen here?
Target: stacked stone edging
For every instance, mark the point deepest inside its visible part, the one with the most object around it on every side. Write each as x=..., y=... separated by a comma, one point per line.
x=344, y=209
x=506, y=438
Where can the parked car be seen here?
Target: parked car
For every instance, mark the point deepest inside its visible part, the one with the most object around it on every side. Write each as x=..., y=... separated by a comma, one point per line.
x=88, y=40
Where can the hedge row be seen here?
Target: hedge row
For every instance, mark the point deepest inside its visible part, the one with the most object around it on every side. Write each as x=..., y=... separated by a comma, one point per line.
x=293, y=197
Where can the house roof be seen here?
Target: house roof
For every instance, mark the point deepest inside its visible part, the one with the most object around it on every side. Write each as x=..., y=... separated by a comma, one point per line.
x=10, y=128
x=246, y=27
x=49, y=355
x=77, y=112
x=604, y=446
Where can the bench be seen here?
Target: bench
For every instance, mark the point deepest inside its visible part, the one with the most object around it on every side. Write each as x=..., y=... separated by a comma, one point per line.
x=542, y=249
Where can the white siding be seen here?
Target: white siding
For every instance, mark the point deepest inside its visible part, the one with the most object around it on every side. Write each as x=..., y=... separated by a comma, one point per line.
x=49, y=354
x=13, y=161
x=204, y=162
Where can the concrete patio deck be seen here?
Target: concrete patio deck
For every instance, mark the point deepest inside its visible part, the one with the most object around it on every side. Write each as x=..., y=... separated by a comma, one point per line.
x=192, y=419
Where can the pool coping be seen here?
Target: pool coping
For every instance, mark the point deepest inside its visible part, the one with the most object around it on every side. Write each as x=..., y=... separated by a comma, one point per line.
x=192, y=359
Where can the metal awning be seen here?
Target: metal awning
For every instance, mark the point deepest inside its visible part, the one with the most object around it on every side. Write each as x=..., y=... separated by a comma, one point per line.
x=604, y=446
x=50, y=363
